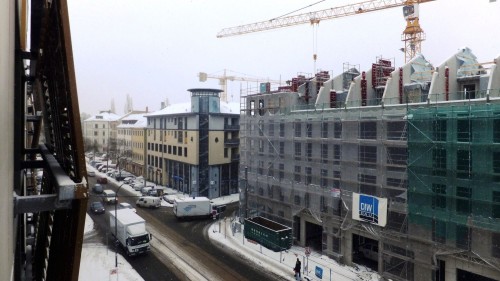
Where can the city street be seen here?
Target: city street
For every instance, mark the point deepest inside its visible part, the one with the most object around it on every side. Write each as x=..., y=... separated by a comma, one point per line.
x=185, y=241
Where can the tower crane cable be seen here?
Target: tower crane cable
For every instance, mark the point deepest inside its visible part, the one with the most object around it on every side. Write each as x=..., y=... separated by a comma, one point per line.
x=297, y=10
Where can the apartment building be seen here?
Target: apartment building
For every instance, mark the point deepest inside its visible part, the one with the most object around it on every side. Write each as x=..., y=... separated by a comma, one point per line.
x=130, y=143
x=402, y=159
x=99, y=131
x=194, y=147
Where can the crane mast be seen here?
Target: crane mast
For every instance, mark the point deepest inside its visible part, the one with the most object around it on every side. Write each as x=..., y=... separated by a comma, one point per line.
x=413, y=35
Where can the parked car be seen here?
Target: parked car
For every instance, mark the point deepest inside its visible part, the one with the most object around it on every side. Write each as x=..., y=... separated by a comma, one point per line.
x=97, y=207
x=148, y=202
x=169, y=198
x=97, y=188
x=91, y=173
x=125, y=205
x=121, y=175
x=102, y=180
x=128, y=180
x=156, y=192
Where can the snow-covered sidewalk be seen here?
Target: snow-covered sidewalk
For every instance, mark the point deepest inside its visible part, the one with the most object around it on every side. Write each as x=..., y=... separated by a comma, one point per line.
x=282, y=263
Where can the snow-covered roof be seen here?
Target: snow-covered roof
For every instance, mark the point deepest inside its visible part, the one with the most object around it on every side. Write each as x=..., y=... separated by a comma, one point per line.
x=104, y=116
x=128, y=122
x=232, y=107
x=173, y=109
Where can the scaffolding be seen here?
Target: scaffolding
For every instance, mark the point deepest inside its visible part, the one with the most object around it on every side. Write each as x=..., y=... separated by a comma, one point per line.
x=305, y=161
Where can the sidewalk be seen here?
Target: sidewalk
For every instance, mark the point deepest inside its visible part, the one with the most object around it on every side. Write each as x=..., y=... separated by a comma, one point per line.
x=282, y=263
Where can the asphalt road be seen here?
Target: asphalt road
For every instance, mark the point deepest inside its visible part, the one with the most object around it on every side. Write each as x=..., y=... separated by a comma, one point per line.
x=187, y=240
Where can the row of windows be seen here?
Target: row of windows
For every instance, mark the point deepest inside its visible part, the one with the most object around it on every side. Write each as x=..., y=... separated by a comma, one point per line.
x=367, y=130
x=169, y=149
x=129, y=132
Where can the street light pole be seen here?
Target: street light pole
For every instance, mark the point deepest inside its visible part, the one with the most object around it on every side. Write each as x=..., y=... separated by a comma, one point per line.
x=116, y=225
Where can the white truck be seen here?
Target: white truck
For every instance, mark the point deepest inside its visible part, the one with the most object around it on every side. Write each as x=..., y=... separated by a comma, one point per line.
x=194, y=207
x=130, y=231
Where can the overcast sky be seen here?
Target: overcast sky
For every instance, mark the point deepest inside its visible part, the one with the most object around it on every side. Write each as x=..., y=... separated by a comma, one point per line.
x=154, y=49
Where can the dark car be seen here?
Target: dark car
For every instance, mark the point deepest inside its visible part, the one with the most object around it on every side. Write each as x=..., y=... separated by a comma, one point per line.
x=102, y=180
x=97, y=207
x=97, y=188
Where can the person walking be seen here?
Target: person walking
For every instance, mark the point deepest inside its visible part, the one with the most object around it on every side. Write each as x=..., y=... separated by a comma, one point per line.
x=297, y=269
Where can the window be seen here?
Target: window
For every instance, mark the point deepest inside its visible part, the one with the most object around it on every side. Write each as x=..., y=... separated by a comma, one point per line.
x=464, y=133
x=439, y=231
x=367, y=184
x=308, y=175
x=261, y=128
x=175, y=150
x=496, y=130
x=368, y=130
x=464, y=164
x=282, y=148
x=495, y=245
x=367, y=156
x=297, y=200
x=309, y=130
x=282, y=129
x=298, y=150
x=271, y=128
x=439, y=198
x=336, y=179
x=282, y=171
x=439, y=130
x=496, y=205
x=261, y=146
x=323, y=204
x=309, y=151
x=396, y=158
x=298, y=129
x=439, y=162
x=336, y=154
x=324, y=130
x=306, y=200
x=337, y=130
x=324, y=153
x=396, y=130
x=463, y=237
x=463, y=203
x=185, y=152
x=296, y=174
x=270, y=169
x=324, y=178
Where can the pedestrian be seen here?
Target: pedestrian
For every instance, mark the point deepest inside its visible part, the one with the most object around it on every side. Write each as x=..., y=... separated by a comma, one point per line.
x=297, y=269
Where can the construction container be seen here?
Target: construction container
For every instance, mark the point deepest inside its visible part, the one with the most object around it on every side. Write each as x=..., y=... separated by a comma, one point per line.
x=268, y=233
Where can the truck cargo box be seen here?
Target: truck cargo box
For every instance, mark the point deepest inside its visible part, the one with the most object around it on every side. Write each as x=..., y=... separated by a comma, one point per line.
x=268, y=233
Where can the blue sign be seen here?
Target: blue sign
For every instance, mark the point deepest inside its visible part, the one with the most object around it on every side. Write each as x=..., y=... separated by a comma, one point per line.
x=318, y=271
x=368, y=208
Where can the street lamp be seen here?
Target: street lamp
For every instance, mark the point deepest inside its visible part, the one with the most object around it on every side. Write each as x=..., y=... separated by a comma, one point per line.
x=116, y=225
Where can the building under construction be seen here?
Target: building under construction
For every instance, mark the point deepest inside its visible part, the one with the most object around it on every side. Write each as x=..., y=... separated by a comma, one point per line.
x=405, y=159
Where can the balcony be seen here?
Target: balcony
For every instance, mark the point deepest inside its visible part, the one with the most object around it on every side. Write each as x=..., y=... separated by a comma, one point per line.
x=232, y=142
x=228, y=127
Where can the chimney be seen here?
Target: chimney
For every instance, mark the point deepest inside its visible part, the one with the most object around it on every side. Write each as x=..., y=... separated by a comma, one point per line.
x=146, y=109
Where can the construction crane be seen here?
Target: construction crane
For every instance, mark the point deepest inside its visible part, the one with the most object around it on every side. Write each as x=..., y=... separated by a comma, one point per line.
x=224, y=78
x=413, y=35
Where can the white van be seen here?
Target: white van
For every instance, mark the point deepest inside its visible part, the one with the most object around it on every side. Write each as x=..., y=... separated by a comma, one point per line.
x=109, y=196
x=148, y=202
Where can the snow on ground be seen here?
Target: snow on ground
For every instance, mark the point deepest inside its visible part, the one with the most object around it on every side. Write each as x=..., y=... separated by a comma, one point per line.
x=98, y=262
x=282, y=263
